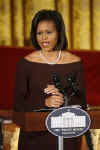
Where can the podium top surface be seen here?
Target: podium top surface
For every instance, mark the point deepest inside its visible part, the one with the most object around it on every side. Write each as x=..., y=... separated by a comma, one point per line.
x=35, y=121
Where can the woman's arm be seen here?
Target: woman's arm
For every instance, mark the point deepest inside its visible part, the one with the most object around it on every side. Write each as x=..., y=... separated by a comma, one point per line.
x=20, y=90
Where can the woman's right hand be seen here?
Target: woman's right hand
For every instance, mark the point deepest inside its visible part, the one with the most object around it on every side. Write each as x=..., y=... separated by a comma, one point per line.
x=55, y=99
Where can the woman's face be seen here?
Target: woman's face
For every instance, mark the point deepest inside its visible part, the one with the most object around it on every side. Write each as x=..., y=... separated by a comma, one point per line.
x=46, y=35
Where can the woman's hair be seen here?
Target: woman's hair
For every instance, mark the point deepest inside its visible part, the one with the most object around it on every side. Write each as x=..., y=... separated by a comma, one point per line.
x=56, y=18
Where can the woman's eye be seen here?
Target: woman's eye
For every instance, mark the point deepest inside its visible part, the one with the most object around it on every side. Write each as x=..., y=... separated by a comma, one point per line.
x=49, y=32
x=39, y=33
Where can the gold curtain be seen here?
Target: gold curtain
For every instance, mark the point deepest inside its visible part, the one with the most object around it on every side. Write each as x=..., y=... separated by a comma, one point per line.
x=5, y=22
x=81, y=19
x=18, y=22
x=63, y=6
x=96, y=24
x=81, y=24
x=10, y=136
x=96, y=138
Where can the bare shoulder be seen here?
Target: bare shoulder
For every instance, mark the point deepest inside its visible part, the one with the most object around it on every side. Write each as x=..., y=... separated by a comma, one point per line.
x=68, y=57
x=34, y=56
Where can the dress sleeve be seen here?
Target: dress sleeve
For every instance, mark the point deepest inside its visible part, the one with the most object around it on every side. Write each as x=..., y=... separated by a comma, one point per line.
x=20, y=90
x=81, y=98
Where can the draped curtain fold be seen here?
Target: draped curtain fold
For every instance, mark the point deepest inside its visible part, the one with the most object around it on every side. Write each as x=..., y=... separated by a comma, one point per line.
x=81, y=18
x=96, y=24
x=81, y=24
x=5, y=23
x=63, y=6
x=18, y=23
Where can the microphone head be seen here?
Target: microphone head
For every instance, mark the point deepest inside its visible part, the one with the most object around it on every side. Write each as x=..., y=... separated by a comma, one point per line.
x=73, y=83
x=57, y=81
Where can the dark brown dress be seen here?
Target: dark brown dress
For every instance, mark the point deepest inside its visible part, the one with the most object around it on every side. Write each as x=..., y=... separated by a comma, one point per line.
x=31, y=79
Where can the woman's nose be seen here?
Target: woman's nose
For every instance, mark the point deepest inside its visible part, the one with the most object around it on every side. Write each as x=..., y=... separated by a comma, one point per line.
x=44, y=36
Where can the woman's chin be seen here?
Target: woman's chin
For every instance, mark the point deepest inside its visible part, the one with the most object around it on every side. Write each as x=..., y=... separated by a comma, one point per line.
x=47, y=49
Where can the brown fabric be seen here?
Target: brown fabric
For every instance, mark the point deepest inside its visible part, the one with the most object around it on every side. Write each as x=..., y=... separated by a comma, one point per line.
x=45, y=141
x=31, y=79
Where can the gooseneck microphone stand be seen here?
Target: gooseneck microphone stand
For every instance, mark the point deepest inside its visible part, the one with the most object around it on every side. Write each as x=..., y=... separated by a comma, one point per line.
x=73, y=86
x=58, y=85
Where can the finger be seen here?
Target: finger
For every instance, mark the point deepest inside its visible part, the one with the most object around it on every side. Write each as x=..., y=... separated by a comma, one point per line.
x=55, y=105
x=57, y=98
x=58, y=94
x=50, y=90
x=50, y=86
x=58, y=103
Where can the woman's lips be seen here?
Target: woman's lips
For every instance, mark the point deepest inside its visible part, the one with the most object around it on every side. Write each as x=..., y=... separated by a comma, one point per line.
x=45, y=43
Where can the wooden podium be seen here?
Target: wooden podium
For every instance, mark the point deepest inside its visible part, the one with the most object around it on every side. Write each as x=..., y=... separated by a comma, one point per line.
x=35, y=121
x=30, y=121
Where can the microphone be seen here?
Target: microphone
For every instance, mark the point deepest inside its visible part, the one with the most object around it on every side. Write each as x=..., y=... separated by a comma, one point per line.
x=59, y=86
x=72, y=84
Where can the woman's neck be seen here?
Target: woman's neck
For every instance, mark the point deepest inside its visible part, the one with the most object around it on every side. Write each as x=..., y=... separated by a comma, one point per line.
x=50, y=57
x=50, y=54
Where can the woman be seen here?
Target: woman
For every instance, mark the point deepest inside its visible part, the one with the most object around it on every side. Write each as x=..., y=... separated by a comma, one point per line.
x=34, y=78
